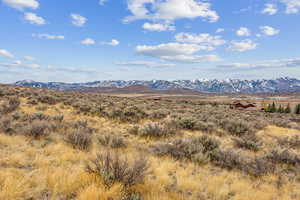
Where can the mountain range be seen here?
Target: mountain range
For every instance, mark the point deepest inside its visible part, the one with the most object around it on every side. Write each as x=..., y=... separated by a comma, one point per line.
x=280, y=85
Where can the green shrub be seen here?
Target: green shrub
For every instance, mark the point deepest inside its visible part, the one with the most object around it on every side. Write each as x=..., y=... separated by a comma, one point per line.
x=58, y=118
x=155, y=129
x=197, y=149
x=205, y=126
x=39, y=116
x=47, y=99
x=79, y=139
x=112, y=141
x=248, y=142
x=231, y=159
x=187, y=123
x=12, y=105
x=42, y=108
x=290, y=142
x=284, y=156
x=6, y=126
x=32, y=102
x=238, y=128
x=151, y=129
x=37, y=129
x=113, y=168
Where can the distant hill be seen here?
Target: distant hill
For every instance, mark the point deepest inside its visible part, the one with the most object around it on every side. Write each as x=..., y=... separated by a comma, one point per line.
x=138, y=89
x=130, y=89
x=280, y=85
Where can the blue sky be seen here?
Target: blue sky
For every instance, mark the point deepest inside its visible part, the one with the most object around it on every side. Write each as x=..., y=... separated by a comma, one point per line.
x=79, y=41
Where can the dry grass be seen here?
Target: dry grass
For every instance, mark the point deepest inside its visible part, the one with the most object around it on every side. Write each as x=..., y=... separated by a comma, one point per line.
x=50, y=168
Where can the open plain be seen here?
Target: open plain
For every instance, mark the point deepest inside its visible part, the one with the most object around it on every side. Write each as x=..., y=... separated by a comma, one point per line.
x=87, y=146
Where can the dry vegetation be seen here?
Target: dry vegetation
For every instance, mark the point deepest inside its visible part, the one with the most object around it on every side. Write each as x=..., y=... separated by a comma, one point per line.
x=69, y=145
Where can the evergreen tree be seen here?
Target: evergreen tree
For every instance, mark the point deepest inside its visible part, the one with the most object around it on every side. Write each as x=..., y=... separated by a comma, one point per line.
x=273, y=108
x=280, y=109
x=297, y=110
x=288, y=109
x=269, y=108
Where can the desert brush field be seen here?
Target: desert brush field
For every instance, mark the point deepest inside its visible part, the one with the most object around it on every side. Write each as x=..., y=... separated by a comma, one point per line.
x=87, y=146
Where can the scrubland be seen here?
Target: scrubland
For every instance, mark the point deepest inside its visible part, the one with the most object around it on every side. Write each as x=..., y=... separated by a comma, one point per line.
x=71, y=145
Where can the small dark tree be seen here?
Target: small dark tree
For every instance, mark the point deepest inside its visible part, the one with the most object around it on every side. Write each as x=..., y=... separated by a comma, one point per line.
x=288, y=109
x=297, y=109
x=269, y=108
x=280, y=109
x=273, y=108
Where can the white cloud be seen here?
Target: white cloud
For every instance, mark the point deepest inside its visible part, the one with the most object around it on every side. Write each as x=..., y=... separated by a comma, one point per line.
x=204, y=40
x=243, y=31
x=145, y=64
x=170, y=10
x=48, y=36
x=168, y=49
x=19, y=63
x=220, y=30
x=102, y=2
x=268, y=30
x=22, y=4
x=69, y=69
x=113, y=43
x=241, y=46
x=88, y=41
x=32, y=18
x=158, y=27
x=6, y=53
x=29, y=58
x=294, y=62
x=192, y=58
x=176, y=52
x=270, y=9
x=78, y=20
x=292, y=6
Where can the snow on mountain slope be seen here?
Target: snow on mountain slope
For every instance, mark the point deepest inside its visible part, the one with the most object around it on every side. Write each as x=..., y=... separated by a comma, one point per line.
x=279, y=85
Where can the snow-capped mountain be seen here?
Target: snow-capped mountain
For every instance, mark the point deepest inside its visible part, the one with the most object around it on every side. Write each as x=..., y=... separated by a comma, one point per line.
x=280, y=85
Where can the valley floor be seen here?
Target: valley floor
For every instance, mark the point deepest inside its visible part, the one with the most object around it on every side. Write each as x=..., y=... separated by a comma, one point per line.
x=48, y=163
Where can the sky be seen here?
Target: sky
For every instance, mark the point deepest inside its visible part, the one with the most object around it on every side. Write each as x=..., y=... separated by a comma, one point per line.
x=89, y=40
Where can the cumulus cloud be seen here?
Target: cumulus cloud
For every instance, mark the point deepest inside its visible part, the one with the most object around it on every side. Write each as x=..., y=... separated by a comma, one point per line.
x=48, y=36
x=241, y=46
x=6, y=53
x=32, y=18
x=294, y=62
x=292, y=6
x=270, y=9
x=145, y=64
x=176, y=52
x=269, y=31
x=158, y=27
x=170, y=10
x=78, y=20
x=205, y=41
x=88, y=41
x=243, y=31
x=22, y=4
x=168, y=49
